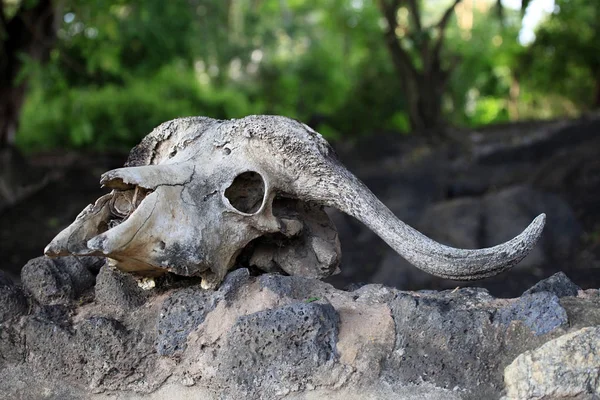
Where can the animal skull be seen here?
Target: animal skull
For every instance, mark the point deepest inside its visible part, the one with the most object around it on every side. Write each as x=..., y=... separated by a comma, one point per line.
x=198, y=194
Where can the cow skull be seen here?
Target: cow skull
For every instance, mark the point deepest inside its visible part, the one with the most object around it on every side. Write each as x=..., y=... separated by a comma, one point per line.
x=198, y=194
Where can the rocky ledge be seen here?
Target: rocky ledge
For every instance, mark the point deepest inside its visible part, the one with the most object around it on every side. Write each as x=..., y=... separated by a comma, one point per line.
x=79, y=329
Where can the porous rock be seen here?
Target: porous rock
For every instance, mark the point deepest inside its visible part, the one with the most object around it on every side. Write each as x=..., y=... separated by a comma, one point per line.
x=12, y=299
x=558, y=284
x=181, y=313
x=46, y=283
x=118, y=289
x=541, y=312
x=12, y=345
x=280, y=337
x=454, y=339
x=567, y=367
x=441, y=340
x=58, y=281
x=274, y=352
x=184, y=310
x=98, y=352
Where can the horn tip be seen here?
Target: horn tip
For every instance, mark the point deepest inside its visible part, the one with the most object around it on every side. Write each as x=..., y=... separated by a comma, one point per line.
x=534, y=231
x=540, y=221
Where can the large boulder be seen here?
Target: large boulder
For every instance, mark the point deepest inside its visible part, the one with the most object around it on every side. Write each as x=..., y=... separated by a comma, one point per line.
x=476, y=197
x=499, y=216
x=285, y=337
x=478, y=222
x=567, y=367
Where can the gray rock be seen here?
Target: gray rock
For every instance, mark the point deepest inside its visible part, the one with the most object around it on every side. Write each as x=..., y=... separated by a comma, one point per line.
x=558, y=284
x=274, y=350
x=292, y=287
x=456, y=222
x=118, y=289
x=112, y=351
x=541, y=312
x=60, y=280
x=181, y=313
x=12, y=299
x=54, y=346
x=100, y=352
x=567, y=367
x=280, y=337
x=233, y=282
x=22, y=383
x=12, y=345
x=509, y=209
x=444, y=341
x=583, y=310
x=81, y=270
x=46, y=282
x=496, y=217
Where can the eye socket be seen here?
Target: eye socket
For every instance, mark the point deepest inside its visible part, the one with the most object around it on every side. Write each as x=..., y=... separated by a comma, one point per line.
x=246, y=192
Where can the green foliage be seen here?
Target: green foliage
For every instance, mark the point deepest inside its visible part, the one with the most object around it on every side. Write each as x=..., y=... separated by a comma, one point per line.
x=118, y=116
x=480, y=84
x=121, y=67
x=565, y=57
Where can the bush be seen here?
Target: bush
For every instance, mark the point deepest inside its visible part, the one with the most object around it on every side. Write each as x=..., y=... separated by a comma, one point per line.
x=118, y=116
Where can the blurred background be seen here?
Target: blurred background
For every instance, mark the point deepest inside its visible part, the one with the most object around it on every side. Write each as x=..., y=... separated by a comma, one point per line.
x=466, y=117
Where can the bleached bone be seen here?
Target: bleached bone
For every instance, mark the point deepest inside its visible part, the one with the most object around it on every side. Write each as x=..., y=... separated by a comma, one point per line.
x=198, y=194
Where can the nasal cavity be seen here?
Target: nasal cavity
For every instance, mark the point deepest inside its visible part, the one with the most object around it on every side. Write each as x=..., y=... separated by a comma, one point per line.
x=246, y=192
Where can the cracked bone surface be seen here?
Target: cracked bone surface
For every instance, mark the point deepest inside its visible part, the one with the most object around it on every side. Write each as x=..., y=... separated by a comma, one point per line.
x=199, y=195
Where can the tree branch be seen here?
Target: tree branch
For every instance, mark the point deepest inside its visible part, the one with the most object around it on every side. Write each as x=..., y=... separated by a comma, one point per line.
x=500, y=11
x=389, y=11
x=416, y=14
x=400, y=57
x=441, y=27
x=15, y=20
x=422, y=41
x=33, y=30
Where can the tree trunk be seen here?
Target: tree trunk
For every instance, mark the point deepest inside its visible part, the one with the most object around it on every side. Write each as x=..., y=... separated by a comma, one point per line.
x=424, y=85
x=429, y=107
x=424, y=96
x=596, y=104
x=30, y=33
x=11, y=101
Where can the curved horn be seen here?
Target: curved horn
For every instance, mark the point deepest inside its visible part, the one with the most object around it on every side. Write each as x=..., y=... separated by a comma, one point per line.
x=344, y=191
